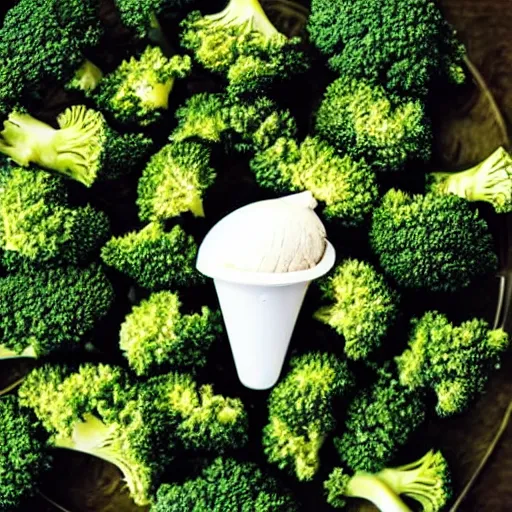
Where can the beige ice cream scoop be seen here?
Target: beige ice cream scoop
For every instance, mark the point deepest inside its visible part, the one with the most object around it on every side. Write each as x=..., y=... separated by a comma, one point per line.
x=277, y=235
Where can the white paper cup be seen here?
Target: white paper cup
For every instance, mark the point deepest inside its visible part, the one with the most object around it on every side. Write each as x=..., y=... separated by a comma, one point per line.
x=260, y=311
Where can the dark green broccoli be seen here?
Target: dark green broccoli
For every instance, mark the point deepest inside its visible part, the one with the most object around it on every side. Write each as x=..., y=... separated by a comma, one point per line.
x=489, y=181
x=433, y=242
x=38, y=226
x=23, y=455
x=244, y=125
x=35, y=58
x=138, y=90
x=400, y=45
x=44, y=311
x=226, y=485
x=154, y=258
x=454, y=361
x=158, y=334
x=98, y=410
x=241, y=44
x=380, y=420
x=84, y=147
x=365, y=121
x=174, y=181
x=426, y=481
x=301, y=412
x=347, y=187
x=363, y=309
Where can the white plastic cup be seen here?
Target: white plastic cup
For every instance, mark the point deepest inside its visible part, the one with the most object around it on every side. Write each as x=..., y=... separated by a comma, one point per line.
x=260, y=310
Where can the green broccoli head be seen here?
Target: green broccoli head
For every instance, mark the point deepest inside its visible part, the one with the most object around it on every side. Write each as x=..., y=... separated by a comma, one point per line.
x=202, y=420
x=433, y=242
x=347, y=187
x=301, y=412
x=174, y=181
x=94, y=409
x=365, y=121
x=138, y=90
x=401, y=45
x=38, y=227
x=226, y=484
x=363, y=309
x=24, y=457
x=244, y=125
x=83, y=149
x=51, y=310
x=158, y=334
x=34, y=58
x=154, y=258
x=242, y=44
x=380, y=419
x=489, y=181
x=454, y=361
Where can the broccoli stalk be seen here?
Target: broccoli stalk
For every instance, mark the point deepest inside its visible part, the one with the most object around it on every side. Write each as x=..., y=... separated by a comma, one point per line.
x=7, y=353
x=87, y=77
x=489, y=181
x=426, y=481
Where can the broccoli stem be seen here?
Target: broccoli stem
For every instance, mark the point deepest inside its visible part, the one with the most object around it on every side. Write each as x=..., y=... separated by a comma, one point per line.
x=157, y=35
x=196, y=206
x=11, y=386
x=93, y=437
x=157, y=95
x=489, y=181
x=245, y=12
x=371, y=488
x=87, y=77
x=6, y=353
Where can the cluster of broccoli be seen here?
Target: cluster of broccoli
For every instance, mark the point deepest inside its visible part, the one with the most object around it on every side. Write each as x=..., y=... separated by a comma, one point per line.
x=131, y=127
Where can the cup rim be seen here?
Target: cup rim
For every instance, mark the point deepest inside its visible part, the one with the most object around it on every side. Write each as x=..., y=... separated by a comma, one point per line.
x=269, y=278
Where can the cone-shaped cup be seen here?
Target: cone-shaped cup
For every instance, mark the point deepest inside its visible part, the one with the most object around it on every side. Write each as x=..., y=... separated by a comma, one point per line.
x=260, y=310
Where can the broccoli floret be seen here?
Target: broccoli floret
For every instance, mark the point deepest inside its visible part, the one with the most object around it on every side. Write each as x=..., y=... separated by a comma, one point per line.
x=365, y=121
x=433, y=242
x=154, y=258
x=142, y=16
x=52, y=309
x=244, y=125
x=203, y=420
x=363, y=310
x=84, y=147
x=34, y=58
x=157, y=333
x=37, y=225
x=95, y=410
x=301, y=412
x=138, y=90
x=174, y=181
x=426, y=481
x=401, y=45
x=242, y=44
x=380, y=420
x=346, y=186
x=226, y=485
x=454, y=361
x=489, y=181
x=23, y=455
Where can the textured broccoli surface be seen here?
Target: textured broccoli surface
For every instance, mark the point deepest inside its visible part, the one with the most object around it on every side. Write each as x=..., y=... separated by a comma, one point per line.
x=174, y=181
x=138, y=90
x=51, y=310
x=226, y=484
x=154, y=258
x=363, y=307
x=23, y=454
x=401, y=45
x=433, y=242
x=241, y=44
x=39, y=227
x=158, y=334
x=365, y=121
x=301, y=412
x=380, y=420
x=454, y=361
x=347, y=187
